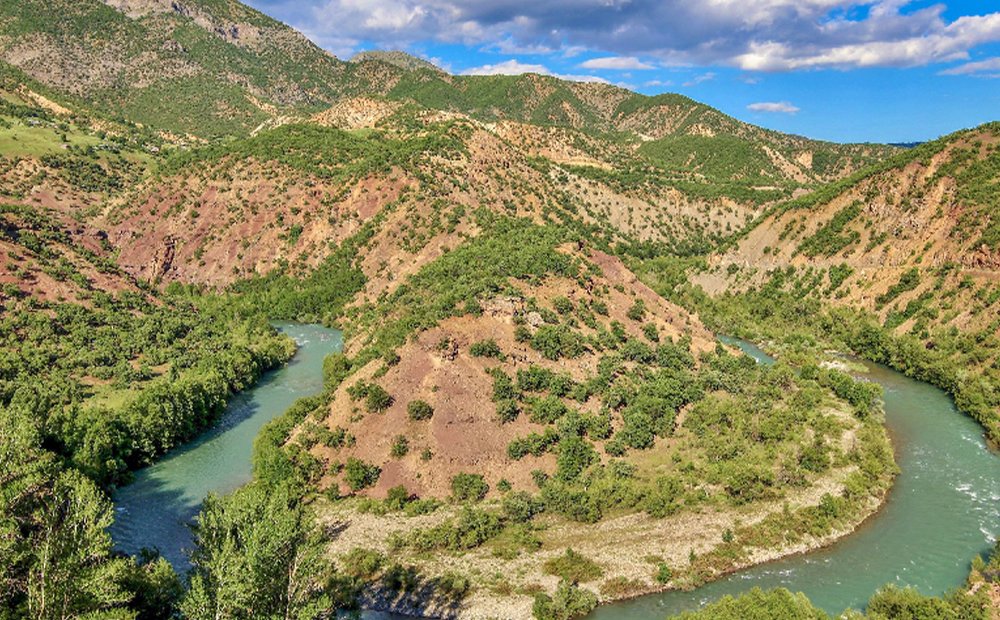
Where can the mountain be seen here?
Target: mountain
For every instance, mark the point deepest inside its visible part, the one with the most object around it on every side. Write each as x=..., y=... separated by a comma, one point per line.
x=915, y=239
x=514, y=412
x=225, y=68
x=906, y=253
x=399, y=59
x=207, y=68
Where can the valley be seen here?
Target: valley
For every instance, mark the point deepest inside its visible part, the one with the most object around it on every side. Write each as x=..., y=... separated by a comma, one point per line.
x=528, y=406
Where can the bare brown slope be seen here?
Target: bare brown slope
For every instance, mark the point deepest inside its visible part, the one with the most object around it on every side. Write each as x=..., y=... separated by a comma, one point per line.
x=464, y=434
x=222, y=219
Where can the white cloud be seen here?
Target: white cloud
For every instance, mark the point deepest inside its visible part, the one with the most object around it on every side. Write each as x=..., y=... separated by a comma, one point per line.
x=660, y=83
x=774, y=107
x=618, y=63
x=983, y=68
x=946, y=43
x=698, y=79
x=516, y=67
x=754, y=35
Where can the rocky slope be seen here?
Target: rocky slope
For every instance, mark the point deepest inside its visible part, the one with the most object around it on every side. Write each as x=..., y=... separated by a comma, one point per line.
x=916, y=240
x=205, y=68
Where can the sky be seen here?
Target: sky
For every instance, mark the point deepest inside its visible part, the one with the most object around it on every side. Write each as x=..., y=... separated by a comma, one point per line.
x=841, y=70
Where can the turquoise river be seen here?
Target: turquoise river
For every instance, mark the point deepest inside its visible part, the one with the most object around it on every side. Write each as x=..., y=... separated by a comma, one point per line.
x=943, y=509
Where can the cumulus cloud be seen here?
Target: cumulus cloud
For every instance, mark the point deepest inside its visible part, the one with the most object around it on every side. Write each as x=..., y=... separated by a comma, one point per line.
x=516, y=67
x=983, y=68
x=618, y=63
x=774, y=107
x=754, y=35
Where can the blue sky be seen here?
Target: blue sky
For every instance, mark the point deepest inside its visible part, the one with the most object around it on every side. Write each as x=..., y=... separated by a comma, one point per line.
x=843, y=70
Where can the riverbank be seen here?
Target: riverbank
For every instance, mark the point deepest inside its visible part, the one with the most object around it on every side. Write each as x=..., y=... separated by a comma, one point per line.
x=155, y=510
x=629, y=549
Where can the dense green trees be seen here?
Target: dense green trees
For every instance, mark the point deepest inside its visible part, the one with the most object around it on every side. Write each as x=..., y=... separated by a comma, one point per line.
x=55, y=559
x=59, y=363
x=258, y=555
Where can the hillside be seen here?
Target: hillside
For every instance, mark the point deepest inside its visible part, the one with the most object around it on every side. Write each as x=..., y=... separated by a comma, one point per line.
x=913, y=244
x=522, y=393
x=915, y=240
x=191, y=67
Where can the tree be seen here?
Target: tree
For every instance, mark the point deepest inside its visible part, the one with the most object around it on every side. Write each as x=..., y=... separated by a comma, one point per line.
x=54, y=551
x=71, y=572
x=258, y=555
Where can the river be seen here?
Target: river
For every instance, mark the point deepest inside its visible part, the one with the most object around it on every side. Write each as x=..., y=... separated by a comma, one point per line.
x=156, y=508
x=942, y=510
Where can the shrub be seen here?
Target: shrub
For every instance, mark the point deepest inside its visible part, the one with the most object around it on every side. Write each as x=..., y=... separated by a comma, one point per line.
x=663, y=573
x=621, y=587
x=400, y=447
x=486, y=348
x=469, y=487
x=361, y=563
x=637, y=311
x=397, y=498
x=377, y=399
x=664, y=499
x=534, y=379
x=520, y=506
x=573, y=567
x=746, y=483
x=569, y=601
x=503, y=386
x=419, y=410
x=575, y=455
x=557, y=341
x=534, y=444
x=360, y=475
x=548, y=410
x=522, y=334
x=507, y=410
x=562, y=305
x=651, y=332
